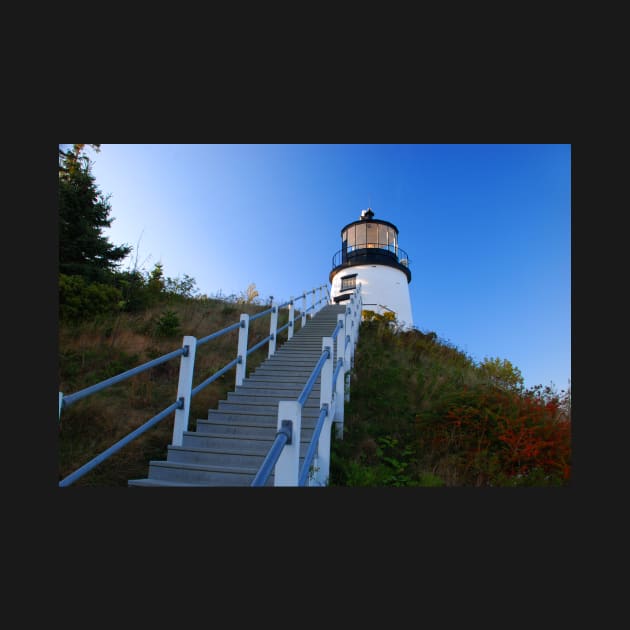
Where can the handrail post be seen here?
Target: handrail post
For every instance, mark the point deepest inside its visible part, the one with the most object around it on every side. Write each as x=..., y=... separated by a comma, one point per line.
x=321, y=463
x=348, y=355
x=287, y=467
x=354, y=332
x=303, y=310
x=338, y=411
x=352, y=317
x=340, y=343
x=184, y=388
x=273, y=328
x=360, y=300
x=358, y=315
x=291, y=318
x=326, y=386
x=241, y=353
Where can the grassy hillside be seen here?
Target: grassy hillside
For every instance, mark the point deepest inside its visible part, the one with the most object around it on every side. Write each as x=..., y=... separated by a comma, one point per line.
x=421, y=412
x=100, y=348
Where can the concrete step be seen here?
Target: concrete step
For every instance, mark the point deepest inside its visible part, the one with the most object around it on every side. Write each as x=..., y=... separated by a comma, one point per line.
x=298, y=372
x=238, y=457
x=292, y=356
x=310, y=348
x=314, y=324
x=294, y=353
x=326, y=329
x=234, y=423
x=248, y=432
x=314, y=349
x=313, y=341
x=302, y=357
x=281, y=380
x=253, y=415
x=266, y=370
x=153, y=483
x=245, y=439
x=291, y=362
x=267, y=398
x=205, y=475
x=271, y=389
x=243, y=407
x=213, y=428
x=270, y=384
x=228, y=447
x=310, y=341
x=288, y=364
x=266, y=381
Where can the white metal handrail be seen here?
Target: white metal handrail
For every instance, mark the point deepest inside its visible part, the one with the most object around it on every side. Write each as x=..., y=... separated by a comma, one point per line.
x=333, y=393
x=185, y=389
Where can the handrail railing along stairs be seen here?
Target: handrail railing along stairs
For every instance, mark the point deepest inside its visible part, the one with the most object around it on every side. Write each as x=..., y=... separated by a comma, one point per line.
x=282, y=455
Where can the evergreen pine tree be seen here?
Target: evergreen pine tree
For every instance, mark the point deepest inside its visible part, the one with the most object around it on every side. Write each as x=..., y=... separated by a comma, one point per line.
x=83, y=214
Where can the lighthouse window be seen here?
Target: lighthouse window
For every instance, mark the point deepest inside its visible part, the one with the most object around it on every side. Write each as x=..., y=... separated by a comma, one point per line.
x=372, y=234
x=360, y=236
x=348, y=238
x=369, y=234
x=385, y=236
x=393, y=241
x=348, y=282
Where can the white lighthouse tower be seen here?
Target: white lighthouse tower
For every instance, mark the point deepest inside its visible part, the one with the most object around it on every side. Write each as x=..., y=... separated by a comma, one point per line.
x=370, y=255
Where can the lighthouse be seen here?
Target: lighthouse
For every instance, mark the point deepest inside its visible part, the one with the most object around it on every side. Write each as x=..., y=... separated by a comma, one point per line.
x=370, y=256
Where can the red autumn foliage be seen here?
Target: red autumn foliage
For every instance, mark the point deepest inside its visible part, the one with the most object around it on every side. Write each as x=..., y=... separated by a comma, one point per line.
x=492, y=437
x=536, y=438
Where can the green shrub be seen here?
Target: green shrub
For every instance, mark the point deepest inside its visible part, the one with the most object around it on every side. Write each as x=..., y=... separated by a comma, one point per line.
x=79, y=299
x=429, y=480
x=487, y=436
x=133, y=287
x=423, y=413
x=167, y=325
x=502, y=372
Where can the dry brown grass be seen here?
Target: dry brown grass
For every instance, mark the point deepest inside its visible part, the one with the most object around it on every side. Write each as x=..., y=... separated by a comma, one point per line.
x=99, y=349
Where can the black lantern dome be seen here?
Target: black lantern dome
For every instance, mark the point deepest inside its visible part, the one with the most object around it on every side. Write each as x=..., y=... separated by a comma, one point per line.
x=370, y=241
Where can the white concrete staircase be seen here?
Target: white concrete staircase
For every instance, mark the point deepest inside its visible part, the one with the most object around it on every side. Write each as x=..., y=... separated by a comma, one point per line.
x=228, y=447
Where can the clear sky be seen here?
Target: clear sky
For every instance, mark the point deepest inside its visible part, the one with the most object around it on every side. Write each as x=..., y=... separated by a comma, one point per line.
x=487, y=229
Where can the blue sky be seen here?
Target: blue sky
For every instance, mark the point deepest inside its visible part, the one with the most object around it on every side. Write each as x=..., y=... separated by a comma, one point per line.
x=487, y=229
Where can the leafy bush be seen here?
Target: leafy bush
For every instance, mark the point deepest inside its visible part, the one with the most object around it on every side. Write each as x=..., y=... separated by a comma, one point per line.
x=370, y=316
x=497, y=437
x=133, y=287
x=79, y=299
x=249, y=296
x=181, y=287
x=422, y=412
x=502, y=372
x=167, y=325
